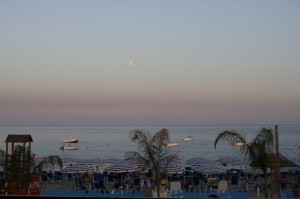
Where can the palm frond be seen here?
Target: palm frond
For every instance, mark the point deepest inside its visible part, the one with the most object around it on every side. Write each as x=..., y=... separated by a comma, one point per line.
x=265, y=137
x=162, y=135
x=229, y=136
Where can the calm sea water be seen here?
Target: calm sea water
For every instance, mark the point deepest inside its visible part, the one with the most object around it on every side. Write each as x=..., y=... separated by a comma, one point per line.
x=113, y=141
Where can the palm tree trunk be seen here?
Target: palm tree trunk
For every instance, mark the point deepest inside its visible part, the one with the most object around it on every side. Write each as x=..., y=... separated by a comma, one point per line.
x=158, y=189
x=158, y=182
x=271, y=183
x=266, y=186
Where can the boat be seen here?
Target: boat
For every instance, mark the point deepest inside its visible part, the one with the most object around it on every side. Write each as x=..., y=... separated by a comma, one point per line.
x=188, y=138
x=238, y=144
x=71, y=140
x=298, y=146
x=69, y=147
x=172, y=145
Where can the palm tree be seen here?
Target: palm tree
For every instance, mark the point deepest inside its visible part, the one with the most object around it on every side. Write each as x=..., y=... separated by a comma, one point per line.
x=18, y=167
x=258, y=150
x=153, y=152
x=2, y=157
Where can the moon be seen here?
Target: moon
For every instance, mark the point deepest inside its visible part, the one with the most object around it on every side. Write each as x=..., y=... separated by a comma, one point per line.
x=130, y=63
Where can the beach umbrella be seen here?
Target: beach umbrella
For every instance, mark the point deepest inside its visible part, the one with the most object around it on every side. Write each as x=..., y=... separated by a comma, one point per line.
x=122, y=168
x=38, y=160
x=76, y=168
x=93, y=161
x=68, y=161
x=198, y=161
x=173, y=168
x=210, y=169
x=247, y=170
x=232, y=160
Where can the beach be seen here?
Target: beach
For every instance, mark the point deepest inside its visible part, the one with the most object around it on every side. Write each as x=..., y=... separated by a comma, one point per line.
x=110, y=143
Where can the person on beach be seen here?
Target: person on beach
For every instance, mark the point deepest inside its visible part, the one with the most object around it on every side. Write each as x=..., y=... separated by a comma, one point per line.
x=283, y=182
x=80, y=184
x=117, y=184
x=87, y=181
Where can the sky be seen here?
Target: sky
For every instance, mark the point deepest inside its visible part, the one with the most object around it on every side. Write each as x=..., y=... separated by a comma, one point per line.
x=132, y=62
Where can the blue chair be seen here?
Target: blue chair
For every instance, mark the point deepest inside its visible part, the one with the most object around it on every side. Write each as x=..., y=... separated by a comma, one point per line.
x=58, y=177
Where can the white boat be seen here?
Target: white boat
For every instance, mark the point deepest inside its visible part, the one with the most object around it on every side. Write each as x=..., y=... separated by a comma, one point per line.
x=238, y=144
x=71, y=140
x=172, y=145
x=298, y=146
x=188, y=138
x=69, y=147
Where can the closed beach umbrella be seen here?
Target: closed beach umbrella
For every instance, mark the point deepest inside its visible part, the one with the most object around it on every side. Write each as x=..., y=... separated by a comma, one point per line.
x=75, y=168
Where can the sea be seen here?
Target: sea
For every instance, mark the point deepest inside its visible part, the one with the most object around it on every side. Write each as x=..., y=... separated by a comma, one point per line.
x=113, y=141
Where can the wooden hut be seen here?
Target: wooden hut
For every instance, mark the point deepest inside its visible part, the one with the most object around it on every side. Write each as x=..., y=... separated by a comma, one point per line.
x=13, y=138
x=14, y=179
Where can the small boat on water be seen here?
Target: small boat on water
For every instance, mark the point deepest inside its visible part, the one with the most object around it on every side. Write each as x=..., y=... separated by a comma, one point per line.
x=172, y=145
x=238, y=144
x=188, y=138
x=298, y=146
x=71, y=140
x=69, y=147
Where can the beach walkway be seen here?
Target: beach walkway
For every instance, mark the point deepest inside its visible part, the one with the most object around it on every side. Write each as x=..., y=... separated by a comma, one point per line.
x=67, y=189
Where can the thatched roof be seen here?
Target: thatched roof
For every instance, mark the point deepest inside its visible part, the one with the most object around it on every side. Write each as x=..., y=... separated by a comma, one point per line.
x=271, y=162
x=18, y=138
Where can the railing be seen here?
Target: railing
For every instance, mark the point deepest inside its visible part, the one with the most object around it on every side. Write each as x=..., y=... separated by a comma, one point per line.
x=226, y=194
x=73, y=193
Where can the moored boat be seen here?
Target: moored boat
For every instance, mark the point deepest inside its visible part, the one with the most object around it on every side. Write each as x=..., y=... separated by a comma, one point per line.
x=172, y=145
x=238, y=144
x=69, y=147
x=71, y=140
x=188, y=138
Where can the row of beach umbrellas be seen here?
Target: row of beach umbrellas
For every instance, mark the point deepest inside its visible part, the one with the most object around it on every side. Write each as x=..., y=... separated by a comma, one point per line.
x=199, y=164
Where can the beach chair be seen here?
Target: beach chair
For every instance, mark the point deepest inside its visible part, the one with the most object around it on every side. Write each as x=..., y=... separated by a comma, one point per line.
x=98, y=181
x=251, y=183
x=175, y=189
x=223, y=186
x=58, y=177
x=44, y=179
x=35, y=182
x=163, y=193
x=50, y=176
x=175, y=186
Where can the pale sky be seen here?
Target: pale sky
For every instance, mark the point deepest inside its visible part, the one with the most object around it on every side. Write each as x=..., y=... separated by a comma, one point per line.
x=133, y=62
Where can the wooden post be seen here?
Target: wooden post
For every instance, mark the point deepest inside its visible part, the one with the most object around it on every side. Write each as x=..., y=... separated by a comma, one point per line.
x=6, y=159
x=277, y=162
